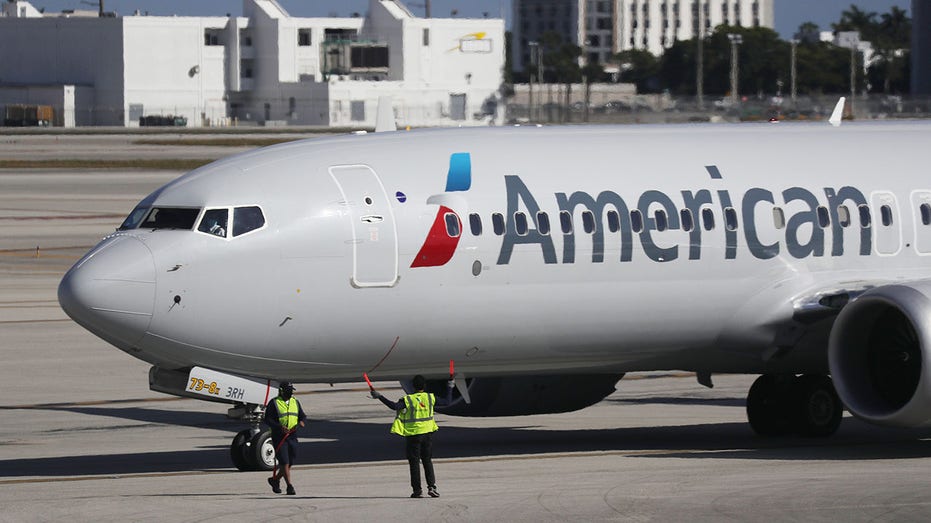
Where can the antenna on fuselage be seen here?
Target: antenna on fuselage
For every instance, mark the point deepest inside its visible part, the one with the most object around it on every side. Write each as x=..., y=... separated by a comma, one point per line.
x=838, y=113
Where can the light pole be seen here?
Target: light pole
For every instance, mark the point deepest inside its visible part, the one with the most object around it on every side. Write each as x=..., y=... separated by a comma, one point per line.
x=794, y=43
x=700, y=58
x=533, y=59
x=736, y=40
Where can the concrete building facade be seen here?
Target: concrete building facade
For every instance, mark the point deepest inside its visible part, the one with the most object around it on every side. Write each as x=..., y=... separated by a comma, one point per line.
x=605, y=27
x=264, y=66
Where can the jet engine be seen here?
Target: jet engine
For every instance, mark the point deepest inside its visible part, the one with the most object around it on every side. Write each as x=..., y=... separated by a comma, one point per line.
x=878, y=354
x=522, y=395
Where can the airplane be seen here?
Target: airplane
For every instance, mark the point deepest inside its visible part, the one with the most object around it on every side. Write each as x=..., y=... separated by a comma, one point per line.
x=546, y=262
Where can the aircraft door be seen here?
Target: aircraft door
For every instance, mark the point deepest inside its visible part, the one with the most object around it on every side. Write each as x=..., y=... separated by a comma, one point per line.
x=887, y=224
x=374, y=241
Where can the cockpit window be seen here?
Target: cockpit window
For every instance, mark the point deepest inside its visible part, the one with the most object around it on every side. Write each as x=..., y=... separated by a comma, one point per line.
x=134, y=219
x=214, y=222
x=246, y=219
x=170, y=218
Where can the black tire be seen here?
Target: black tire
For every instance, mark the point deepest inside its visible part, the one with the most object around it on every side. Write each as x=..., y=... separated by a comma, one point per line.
x=768, y=405
x=237, y=450
x=260, y=452
x=818, y=408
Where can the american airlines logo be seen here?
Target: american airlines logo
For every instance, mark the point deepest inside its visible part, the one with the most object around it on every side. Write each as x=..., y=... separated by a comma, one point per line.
x=614, y=223
x=439, y=246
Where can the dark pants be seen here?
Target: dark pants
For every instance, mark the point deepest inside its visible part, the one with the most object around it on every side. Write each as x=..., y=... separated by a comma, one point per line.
x=420, y=448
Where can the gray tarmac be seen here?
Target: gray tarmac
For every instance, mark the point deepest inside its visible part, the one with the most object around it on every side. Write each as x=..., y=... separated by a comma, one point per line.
x=82, y=438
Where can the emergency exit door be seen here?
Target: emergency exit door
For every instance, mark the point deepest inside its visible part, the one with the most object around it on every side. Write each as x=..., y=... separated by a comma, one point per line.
x=374, y=241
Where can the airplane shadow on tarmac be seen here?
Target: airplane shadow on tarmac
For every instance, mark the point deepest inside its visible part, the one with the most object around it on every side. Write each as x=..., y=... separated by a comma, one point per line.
x=350, y=442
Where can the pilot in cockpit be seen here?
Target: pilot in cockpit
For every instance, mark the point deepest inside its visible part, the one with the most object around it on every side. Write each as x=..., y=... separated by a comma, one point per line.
x=214, y=222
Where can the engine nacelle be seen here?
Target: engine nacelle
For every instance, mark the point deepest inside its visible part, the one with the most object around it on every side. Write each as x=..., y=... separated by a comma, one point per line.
x=522, y=395
x=878, y=353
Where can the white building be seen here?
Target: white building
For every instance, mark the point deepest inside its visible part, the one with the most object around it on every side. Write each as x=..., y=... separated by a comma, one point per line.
x=265, y=66
x=605, y=27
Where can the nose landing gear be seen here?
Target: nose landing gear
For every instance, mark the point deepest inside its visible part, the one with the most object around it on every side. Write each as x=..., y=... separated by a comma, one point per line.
x=252, y=448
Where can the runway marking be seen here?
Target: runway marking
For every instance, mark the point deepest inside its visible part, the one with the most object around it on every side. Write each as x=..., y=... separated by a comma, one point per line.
x=18, y=322
x=64, y=217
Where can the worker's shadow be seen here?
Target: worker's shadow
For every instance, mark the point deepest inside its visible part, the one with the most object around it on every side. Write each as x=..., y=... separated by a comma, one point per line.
x=366, y=439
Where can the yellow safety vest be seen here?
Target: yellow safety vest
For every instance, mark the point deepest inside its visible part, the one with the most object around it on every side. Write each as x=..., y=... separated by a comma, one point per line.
x=417, y=415
x=287, y=412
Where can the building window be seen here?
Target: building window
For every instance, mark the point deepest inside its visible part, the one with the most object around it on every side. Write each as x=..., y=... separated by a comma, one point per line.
x=303, y=37
x=357, y=110
x=212, y=37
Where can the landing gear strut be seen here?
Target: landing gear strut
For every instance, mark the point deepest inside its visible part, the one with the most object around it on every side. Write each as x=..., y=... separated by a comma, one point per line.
x=805, y=405
x=252, y=448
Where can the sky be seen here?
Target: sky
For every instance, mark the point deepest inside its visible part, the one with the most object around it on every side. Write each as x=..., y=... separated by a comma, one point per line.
x=789, y=13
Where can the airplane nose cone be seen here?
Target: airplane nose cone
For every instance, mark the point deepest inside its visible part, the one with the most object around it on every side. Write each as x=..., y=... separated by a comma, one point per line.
x=111, y=291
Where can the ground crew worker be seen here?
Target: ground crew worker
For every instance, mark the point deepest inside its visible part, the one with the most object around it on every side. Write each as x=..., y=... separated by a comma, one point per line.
x=284, y=415
x=414, y=421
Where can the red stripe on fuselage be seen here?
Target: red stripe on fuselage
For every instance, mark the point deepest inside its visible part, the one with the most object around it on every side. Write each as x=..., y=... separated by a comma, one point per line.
x=439, y=247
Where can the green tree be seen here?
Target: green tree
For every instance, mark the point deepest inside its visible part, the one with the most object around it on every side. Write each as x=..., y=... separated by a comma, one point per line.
x=639, y=67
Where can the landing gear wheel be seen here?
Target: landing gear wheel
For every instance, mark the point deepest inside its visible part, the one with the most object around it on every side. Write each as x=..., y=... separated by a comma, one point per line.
x=260, y=452
x=237, y=450
x=819, y=409
x=767, y=405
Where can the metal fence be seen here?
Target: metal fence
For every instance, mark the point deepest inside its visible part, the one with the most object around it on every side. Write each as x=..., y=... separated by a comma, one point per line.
x=624, y=108
x=666, y=109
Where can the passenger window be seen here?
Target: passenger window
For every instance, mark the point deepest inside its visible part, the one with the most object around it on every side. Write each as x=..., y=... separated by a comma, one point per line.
x=497, y=223
x=543, y=223
x=925, y=214
x=214, y=222
x=475, y=223
x=565, y=220
x=170, y=218
x=685, y=216
x=824, y=218
x=452, y=225
x=636, y=221
x=843, y=216
x=779, y=218
x=730, y=218
x=707, y=218
x=886, y=213
x=247, y=219
x=659, y=217
x=520, y=223
x=614, y=221
x=588, y=221
x=865, y=220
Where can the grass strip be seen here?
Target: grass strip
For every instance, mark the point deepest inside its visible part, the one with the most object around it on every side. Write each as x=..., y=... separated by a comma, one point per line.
x=159, y=164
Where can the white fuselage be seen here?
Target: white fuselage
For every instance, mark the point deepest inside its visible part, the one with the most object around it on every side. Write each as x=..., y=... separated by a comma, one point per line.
x=326, y=289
